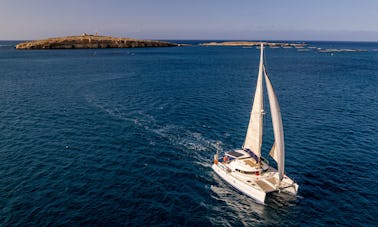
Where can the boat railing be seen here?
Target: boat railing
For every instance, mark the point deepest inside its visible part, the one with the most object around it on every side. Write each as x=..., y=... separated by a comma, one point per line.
x=264, y=160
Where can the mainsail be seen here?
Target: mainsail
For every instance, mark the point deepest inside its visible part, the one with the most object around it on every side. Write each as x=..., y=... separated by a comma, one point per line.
x=253, y=138
x=278, y=149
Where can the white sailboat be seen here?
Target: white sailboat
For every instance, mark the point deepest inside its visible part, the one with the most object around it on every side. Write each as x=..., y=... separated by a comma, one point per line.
x=246, y=169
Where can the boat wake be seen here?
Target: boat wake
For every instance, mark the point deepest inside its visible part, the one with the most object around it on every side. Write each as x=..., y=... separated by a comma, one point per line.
x=178, y=136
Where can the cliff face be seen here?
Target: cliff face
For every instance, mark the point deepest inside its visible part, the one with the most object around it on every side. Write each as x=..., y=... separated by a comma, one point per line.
x=90, y=41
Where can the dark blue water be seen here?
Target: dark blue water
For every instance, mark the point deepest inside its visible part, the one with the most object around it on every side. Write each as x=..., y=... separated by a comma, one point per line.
x=126, y=136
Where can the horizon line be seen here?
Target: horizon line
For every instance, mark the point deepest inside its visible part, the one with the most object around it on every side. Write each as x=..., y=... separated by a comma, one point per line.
x=255, y=40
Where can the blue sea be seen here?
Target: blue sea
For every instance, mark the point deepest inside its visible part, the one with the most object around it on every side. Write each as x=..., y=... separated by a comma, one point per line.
x=126, y=137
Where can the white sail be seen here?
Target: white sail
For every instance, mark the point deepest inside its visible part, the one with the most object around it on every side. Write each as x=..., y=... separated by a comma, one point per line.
x=253, y=138
x=278, y=149
x=273, y=152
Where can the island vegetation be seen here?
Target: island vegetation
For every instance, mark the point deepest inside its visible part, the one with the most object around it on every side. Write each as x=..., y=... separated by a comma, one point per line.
x=86, y=41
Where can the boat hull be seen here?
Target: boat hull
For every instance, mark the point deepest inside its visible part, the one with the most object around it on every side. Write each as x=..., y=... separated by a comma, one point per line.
x=250, y=191
x=256, y=187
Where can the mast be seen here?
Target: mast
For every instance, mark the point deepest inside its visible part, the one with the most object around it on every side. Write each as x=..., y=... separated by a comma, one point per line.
x=278, y=149
x=253, y=138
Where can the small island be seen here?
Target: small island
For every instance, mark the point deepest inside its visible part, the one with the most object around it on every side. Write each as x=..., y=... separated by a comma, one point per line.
x=86, y=41
x=248, y=43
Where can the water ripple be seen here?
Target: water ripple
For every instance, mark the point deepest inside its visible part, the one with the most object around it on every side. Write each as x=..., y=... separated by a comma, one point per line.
x=122, y=139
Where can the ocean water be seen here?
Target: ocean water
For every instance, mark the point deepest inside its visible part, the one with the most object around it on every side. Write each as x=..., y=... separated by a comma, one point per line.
x=127, y=136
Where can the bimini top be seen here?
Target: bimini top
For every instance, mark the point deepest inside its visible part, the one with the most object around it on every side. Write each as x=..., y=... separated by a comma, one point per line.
x=238, y=154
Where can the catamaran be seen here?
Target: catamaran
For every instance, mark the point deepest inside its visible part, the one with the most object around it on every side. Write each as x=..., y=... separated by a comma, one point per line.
x=246, y=169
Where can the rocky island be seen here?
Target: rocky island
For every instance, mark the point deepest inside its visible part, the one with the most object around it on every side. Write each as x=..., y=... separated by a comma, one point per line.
x=86, y=41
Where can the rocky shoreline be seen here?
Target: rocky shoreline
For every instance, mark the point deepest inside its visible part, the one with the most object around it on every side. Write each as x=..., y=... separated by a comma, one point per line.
x=86, y=41
x=248, y=43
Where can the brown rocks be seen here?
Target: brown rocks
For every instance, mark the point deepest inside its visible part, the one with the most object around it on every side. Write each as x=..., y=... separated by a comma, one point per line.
x=86, y=41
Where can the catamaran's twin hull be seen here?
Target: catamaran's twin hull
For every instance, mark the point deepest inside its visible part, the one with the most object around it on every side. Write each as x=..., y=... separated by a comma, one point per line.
x=256, y=187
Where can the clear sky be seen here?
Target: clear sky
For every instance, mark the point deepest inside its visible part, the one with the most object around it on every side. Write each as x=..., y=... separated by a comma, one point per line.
x=351, y=20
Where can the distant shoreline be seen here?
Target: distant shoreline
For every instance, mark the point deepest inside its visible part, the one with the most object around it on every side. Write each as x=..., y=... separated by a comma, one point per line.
x=249, y=43
x=86, y=41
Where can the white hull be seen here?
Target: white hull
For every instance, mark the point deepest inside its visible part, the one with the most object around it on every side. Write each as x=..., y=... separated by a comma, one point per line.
x=256, y=186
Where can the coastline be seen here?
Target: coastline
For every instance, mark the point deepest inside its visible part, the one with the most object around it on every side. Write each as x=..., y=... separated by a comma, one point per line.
x=249, y=43
x=86, y=41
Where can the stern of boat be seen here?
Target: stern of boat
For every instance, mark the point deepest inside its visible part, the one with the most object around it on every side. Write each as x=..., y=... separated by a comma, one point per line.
x=289, y=186
x=292, y=189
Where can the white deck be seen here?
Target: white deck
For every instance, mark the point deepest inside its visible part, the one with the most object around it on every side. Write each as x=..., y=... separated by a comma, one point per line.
x=255, y=186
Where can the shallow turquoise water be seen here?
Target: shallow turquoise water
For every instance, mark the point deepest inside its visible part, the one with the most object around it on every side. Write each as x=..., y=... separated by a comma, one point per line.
x=126, y=136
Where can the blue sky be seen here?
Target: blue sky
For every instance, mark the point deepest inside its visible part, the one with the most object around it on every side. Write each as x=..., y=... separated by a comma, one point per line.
x=344, y=20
